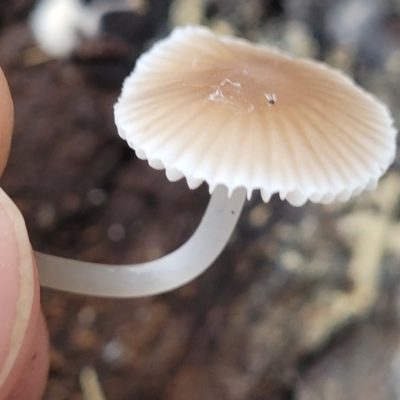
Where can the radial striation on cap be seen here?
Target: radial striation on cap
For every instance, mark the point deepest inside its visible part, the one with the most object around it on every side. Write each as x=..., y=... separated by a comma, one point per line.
x=225, y=111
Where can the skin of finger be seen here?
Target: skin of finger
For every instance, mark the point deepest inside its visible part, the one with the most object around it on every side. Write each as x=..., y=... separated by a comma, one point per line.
x=28, y=376
x=23, y=337
x=28, y=371
x=6, y=121
x=31, y=382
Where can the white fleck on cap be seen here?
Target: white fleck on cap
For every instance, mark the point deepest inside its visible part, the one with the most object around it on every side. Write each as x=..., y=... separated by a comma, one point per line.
x=225, y=111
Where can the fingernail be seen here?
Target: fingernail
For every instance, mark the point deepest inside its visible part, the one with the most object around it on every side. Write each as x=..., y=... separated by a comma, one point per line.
x=16, y=286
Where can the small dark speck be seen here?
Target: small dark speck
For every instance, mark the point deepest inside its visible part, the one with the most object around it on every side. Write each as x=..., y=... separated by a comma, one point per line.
x=232, y=212
x=271, y=98
x=34, y=357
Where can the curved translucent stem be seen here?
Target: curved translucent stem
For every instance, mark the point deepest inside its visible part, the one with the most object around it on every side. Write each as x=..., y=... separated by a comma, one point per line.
x=153, y=277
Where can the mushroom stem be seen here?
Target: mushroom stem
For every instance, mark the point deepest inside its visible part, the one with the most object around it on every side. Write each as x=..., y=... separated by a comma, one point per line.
x=153, y=277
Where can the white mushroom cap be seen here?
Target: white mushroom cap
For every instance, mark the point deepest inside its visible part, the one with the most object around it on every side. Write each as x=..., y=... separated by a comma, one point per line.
x=59, y=25
x=225, y=111
x=53, y=24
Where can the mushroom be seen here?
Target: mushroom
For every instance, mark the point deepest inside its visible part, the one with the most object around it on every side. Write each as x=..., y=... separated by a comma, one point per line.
x=58, y=25
x=240, y=117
